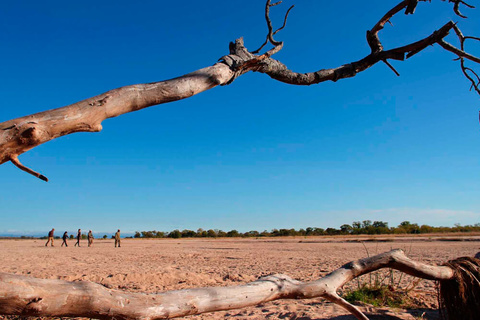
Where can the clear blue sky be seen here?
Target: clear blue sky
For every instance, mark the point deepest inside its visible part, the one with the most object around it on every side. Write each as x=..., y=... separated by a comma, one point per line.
x=255, y=155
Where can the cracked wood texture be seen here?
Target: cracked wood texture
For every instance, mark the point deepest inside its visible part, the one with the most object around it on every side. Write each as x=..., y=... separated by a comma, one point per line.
x=25, y=296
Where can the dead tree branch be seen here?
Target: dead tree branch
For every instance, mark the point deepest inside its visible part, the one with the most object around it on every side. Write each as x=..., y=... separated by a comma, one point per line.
x=278, y=71
x=271, y=33
x=22, y=134
x=456, y=7
x=469, y=73
x=25, y=296
x=19, y=165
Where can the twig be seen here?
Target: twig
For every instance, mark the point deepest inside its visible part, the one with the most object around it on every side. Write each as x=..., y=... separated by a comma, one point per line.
x=456, y=7
x=391, y=67
x=372, y=35
x=447, y=46
x=271, y=33
x=18, y=164
x=284, y=20
x=462, y=55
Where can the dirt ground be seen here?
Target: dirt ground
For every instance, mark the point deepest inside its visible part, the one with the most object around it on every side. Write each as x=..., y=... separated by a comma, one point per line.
x=169, y=264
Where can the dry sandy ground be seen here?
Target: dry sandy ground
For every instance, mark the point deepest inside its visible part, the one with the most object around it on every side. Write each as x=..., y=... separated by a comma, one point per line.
x=167, y=264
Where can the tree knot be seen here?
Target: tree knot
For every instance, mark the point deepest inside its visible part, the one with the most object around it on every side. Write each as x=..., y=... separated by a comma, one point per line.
x=99, y=102
x=30, y=134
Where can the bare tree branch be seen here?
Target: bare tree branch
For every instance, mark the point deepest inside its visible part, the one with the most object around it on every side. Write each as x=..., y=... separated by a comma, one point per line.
x=456, y=7
x=21, y=135
x=412, y=4
x=391, y=67
x=475, y=82
x=25, y=296
x=280, y=72
x=271, y=33
x=19, y=165
x=462, y=54
x=469, y=73
x=372, y=35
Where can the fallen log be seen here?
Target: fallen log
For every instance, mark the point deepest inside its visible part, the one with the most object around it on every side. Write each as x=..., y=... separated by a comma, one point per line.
x=26, y=296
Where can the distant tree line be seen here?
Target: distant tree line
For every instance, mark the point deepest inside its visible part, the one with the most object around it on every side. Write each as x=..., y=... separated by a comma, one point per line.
x=357, y=227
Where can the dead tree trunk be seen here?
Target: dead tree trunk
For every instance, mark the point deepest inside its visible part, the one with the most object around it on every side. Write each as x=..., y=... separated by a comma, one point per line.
x=25, y=296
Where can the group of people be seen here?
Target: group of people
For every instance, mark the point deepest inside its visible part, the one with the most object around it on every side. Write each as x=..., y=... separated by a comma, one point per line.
x=79, y=237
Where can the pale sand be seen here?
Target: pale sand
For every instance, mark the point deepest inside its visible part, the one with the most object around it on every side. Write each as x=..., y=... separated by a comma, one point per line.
x=169, y=264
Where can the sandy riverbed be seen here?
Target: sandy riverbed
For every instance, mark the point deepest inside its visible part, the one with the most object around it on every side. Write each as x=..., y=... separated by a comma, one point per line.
x=168, y=264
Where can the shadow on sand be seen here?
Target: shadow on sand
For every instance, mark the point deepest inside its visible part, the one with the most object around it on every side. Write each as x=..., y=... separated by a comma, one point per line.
x=427, y=314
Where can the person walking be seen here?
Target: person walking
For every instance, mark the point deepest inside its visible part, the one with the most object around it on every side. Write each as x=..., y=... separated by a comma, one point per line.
x=90, y=238
x=117, y=238
x=65, y=237
x=79, y=236
x=50, y=237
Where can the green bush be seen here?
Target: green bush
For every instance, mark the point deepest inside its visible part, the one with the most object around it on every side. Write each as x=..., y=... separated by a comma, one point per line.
x=382, y=290
x=382, y=296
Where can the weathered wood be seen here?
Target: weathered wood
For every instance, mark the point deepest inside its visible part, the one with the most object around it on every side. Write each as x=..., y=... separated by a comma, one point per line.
x=25, y=296
x=21, y=135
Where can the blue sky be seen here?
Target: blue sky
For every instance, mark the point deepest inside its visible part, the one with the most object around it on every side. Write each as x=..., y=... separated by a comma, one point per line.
x=257, y=154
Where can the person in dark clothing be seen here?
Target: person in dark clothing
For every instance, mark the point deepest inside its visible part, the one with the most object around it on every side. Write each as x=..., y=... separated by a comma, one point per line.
x=79, y=236
x=64, y=237
x=50, y=237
